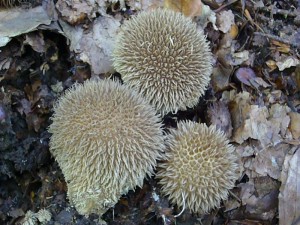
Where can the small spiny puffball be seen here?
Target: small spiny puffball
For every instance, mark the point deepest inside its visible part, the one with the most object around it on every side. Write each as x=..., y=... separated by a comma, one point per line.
x=200, y=169
x=106, y=138
x=162, y=55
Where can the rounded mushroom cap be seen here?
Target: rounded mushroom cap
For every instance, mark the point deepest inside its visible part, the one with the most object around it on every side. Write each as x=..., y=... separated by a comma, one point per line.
x=106, y=138
x=163, y=56
x=200, y=169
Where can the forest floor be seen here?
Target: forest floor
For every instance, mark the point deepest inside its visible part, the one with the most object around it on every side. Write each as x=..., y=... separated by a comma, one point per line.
x=46, y=47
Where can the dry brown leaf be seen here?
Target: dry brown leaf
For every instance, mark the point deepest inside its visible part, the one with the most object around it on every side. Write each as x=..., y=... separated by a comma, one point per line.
x=95, y=46
x=219, y=116
x=36, y=41
x=262, y=205
x=244, y=75
x=15, y=22
x=220, y=78
x=295, y=124
x=229, y=96
x=275, y=97
x=254, y=126
x=245, y=150
x=189, y=8
x=269, y=161
x=225, y=20
x=247, y=190
x=252, y=121
x=287, y=63
x=281, y=47
x=227, y=54
x=238, y=107
x=207, y=15
x=75, y=11
x=289, y=196
x=271, y=64
x=234, y=30
x=239, y=57
x=144, y=5
x=259, y=196
x=258, y=81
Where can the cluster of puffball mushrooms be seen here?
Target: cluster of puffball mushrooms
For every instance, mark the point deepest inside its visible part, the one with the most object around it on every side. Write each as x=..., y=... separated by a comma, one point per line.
x=107, y=136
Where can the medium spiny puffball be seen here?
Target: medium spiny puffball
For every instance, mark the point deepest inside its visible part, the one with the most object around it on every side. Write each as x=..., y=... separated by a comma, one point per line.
x=106, y=138
x=162, y=55
x=200, y=169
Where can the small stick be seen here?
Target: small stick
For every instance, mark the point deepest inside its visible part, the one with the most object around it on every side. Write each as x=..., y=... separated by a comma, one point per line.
x=224, y=6
x=276, y=38
x=274, y=10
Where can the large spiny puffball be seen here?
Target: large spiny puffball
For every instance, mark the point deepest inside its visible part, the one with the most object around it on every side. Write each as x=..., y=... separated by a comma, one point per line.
x=162, y=55
x=200, y=169
x=106, y=138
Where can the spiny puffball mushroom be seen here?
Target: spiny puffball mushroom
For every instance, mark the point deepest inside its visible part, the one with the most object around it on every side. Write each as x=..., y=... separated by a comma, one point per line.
x=106, y=138
x=200, y=169
x=162, y=55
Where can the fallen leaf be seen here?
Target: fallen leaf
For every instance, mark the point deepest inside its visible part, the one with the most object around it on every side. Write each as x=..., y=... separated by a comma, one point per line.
x=15, y=213
x=219, y=116
x=239, y=105
x=229, y=96
x=269, y=126
x=94, y=47
x=259, y=198
x=75, y=11
x=234, y=30
x=232, y=202
x=225, y=20
x=275, y=97
x=15, y=22
x=271, y=64
x=269, y=161
x=227, y=53
x=287, y=63
x=207, y=16
x=36, y=41
x=144, y=5
x=248, y=77
x=244, y=75
x=220, y=77
x=239, y=57
x=246, y=191
x=259, y=82
x=280, y=121
x=255, y=125
x=190, y=8
x=245, y=150
x=289, y=196
x=295, y=124
x=281, y=47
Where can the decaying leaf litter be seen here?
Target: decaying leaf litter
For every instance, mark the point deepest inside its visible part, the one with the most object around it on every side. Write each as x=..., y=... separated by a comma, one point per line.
x=253, y=96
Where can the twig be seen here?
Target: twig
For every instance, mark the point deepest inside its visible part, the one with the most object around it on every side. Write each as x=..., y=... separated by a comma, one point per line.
x=276, y=38
x=224, y=6
x=236, y=197
x=274, y=10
